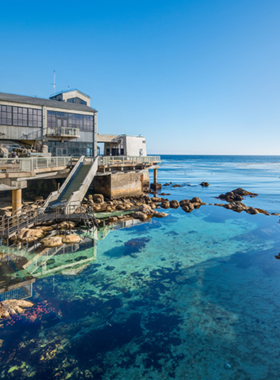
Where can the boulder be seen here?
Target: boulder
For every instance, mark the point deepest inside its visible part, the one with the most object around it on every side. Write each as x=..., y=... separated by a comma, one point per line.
x=196, y=200
x=38, y=198
x=140, y=215
x=27, y=235
x=52, y=241
x=165, y=204
x=204, y=184
x=112, y=219
x=188, y=207
x=146, y=209
x=160, y=214
x=67, y=225
x=176, y=186
x=90, y=197
x=174, y=204
x=71, y=239
x=157, y=199
x=98, y=198
x=11, y=307
x=184, y=201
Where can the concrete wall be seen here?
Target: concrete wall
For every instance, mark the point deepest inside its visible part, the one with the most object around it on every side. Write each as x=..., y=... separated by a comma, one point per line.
x=119, y=185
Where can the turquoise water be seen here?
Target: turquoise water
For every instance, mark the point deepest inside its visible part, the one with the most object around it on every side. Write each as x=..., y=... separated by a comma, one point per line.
x=191, y=296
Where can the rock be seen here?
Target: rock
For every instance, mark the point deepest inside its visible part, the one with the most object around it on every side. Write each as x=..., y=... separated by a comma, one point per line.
x=66, y=225
x=27, y=235
x=275, y=213
x=196, y=205
x=140, y=215
x=80, y=210
x=196, y=200
x=219, y=204
x=251, y=210
x=112, y=219
x=157, y=199
x=184, y=201
x=90, y=197
x=174, y=204
x=165, y=204
x=71, y=239
x=12, y=307
x=210, y=204
x=166, y=184
x=52, y=241
x=204, y=184
x=120, y=207
x=188, y=207
x=146, y=209
x=261, y=211
x=98, y=198
x=277, y=256
x=160, y=214
x=176, y=186
x=236, y=195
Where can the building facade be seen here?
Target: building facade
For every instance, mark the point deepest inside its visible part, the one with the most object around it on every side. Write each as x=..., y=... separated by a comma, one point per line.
x=65, y=123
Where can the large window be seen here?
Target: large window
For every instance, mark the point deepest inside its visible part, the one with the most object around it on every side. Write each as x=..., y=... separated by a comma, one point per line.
x=57, y=148
x=71, y=120
x=20, y=116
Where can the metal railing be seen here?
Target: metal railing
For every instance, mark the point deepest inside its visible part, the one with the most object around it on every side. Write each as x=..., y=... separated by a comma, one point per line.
x=115, y=160
x=30, y=164
x=63, y=131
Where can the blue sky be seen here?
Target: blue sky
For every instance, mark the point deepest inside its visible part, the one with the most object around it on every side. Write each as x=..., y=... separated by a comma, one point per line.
x=193, y=77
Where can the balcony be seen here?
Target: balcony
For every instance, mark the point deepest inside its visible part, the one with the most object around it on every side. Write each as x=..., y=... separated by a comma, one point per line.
x=63, y=132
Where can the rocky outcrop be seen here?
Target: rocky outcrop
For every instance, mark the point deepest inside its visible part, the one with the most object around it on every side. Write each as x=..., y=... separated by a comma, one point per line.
x=236, y=195
x=12, y=307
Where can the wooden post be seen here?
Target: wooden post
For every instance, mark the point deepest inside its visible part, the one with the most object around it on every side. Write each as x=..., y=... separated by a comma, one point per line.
x=16, y=200
x=155, y=176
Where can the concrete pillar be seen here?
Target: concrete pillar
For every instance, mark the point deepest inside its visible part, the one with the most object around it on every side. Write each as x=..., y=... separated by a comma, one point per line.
x=16, y=200
x=155, y=176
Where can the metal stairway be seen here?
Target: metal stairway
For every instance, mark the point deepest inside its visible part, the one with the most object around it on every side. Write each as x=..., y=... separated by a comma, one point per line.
x=74, y=187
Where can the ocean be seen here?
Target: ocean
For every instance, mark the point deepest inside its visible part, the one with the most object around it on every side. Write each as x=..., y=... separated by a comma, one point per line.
x=190, y=296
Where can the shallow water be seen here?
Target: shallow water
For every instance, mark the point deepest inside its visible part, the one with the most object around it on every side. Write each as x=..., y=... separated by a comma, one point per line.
x=190, y=296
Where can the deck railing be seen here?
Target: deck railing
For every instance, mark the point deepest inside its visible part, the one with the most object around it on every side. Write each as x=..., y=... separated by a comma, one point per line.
x=29, y=164
x=115, y=160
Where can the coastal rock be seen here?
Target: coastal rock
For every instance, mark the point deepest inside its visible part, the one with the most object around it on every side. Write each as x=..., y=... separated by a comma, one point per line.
x=261, y=211
x=196, y=200
x=46, y=228
x=52, y=241
x=140, y=215
x=176, y=186
x=174, y=204
x=219, y=204
x=27, y=235
x=188, y=207
x=98, y=198
x=184, y=201
x=90, y=197
x=236, y=195
x=66, y=225
x=204, y=184
x=160, y=214
x=146, y=209
x=71, y=239
x=165, y=204
x=251, y=210
x=157, y=199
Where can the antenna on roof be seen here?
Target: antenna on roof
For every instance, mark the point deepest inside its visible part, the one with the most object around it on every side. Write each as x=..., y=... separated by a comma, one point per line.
x=53, y=84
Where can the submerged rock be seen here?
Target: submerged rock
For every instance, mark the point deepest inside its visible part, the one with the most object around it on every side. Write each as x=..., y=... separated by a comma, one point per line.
x=12, y=307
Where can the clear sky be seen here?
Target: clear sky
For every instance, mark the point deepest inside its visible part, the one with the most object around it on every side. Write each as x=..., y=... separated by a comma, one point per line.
x=192, y=76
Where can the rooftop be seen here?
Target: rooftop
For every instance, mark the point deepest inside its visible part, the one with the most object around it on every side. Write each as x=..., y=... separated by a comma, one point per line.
x=69, y=90
x=44, y=102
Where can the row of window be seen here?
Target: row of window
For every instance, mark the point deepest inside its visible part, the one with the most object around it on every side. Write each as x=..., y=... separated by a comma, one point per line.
x=64, y=119
x=20, y=116
x=57, y=148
